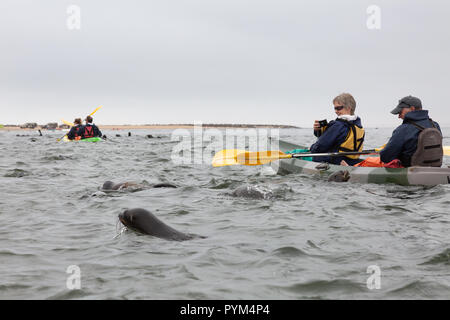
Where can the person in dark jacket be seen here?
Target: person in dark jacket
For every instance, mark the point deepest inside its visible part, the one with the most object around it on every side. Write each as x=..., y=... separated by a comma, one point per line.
x=90, y=129
x=403, y=143
x=76, y=131
x=345, y=134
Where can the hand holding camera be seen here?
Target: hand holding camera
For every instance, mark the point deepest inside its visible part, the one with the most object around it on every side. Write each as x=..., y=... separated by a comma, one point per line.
x=320, y=124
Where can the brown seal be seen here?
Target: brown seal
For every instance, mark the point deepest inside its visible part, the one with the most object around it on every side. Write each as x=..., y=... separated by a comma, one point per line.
x=339, y=176
x=145, y=222
x=109, y=185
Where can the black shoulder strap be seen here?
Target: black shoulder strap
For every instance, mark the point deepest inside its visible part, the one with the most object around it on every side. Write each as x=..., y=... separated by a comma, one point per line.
x=432, y=123
x=419, y=126
x=415, y=124
x=355, y=139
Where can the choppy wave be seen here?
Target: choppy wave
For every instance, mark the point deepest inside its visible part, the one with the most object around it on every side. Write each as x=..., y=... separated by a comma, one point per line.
x=304, y=238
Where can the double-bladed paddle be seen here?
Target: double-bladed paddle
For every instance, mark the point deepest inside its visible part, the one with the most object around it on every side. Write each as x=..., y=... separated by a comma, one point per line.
x=230, y=157
x=446, y=150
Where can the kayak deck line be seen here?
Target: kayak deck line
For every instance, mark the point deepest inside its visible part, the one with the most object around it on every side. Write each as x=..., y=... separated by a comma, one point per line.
x=428, y=176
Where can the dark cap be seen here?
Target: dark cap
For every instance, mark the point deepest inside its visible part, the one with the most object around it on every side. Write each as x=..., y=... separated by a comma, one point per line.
x=407, y=102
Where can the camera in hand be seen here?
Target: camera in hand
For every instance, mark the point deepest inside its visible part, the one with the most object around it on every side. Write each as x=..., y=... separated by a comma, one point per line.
x=323, y=123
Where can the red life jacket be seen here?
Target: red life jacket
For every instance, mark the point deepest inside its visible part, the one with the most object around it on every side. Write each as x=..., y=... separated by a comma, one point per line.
x=88, y=131
x=376, y=162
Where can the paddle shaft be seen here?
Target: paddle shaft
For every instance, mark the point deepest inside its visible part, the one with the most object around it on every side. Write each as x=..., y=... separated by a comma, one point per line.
x=95, y=111
x=233, y=156
x=259, y=158
x=333, y=154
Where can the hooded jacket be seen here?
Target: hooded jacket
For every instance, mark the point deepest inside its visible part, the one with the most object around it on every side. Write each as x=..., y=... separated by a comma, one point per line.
x=403, y=142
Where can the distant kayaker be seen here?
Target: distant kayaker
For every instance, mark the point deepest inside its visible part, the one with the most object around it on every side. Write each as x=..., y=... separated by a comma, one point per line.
x=344, y=134
x=405, y=144
x=76, y=131
x=90, y=129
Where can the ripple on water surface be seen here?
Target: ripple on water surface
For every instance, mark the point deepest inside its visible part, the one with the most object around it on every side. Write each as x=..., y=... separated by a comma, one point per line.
x=302, y=238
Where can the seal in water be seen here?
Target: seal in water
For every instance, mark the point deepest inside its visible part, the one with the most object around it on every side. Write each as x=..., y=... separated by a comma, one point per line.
x=339, y=176
x=145, y=222
x=109, y=185
x=253, y=192
x=163, y=185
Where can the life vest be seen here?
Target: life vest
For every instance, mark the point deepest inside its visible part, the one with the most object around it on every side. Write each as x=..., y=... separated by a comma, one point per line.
x=88, y=131
x=429, y=150
x=354, y=140
x=370, y=162
x=376, y=162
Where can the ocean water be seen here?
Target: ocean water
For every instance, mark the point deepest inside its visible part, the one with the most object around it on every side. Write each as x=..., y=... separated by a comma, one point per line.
x=305, y=238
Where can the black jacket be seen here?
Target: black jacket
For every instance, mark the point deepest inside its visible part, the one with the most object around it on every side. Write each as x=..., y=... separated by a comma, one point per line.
x=332, y=138
x=75, y=131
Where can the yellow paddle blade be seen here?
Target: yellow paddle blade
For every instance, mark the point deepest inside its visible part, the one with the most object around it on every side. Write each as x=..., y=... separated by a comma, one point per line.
x=226, y=157
x=260, y=157
x=67, y=122
x=446, y=150
x=95, y=111
x=380, y=148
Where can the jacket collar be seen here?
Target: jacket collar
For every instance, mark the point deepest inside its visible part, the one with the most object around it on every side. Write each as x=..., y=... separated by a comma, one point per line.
x=348, y=117
x=416, y=115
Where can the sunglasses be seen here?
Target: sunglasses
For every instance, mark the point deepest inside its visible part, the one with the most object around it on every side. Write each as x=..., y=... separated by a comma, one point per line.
x=338, y=108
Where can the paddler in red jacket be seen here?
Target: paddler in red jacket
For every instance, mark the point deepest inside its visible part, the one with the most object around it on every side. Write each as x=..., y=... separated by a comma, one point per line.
x=90, y=129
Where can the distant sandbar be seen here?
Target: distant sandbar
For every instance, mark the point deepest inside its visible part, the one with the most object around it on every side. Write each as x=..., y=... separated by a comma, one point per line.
x=162, y=126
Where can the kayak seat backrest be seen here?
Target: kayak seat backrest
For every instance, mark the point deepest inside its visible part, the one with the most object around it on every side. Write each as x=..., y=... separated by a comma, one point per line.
x=429, y=152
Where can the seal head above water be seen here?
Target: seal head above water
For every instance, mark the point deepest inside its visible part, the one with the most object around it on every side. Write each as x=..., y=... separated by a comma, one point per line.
x=145, y=222
x=109, y=185
x=339, y=176
x=253, y=192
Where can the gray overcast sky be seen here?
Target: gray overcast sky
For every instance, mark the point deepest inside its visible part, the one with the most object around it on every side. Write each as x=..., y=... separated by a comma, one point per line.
x=221, y=61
